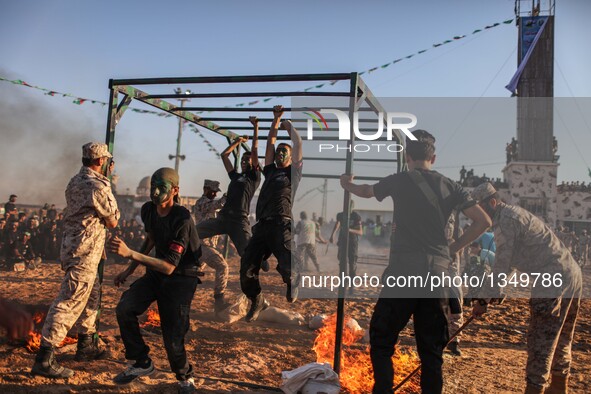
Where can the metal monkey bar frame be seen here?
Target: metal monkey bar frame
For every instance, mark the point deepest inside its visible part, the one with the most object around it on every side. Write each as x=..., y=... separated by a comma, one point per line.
x=359, y=95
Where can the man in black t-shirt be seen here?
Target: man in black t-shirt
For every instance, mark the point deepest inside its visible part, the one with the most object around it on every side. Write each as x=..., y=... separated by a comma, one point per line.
x=355, y=230
x=272, y=233
x=170, y=279
x=233, y=217
x=423, y=200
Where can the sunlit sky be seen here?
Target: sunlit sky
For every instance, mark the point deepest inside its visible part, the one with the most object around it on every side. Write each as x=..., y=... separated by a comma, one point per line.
x=76, y=47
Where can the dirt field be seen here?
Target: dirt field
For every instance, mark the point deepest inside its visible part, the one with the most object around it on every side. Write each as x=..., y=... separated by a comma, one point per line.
x=493, y=360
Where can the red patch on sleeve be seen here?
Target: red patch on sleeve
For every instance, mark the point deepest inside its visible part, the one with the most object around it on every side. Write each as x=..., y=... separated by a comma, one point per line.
x=177, y=248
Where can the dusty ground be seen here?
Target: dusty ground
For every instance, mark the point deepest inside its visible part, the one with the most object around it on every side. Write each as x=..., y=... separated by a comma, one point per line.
x=493, y=360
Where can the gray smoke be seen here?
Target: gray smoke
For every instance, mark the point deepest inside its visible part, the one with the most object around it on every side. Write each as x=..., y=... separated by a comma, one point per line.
x=40, y=144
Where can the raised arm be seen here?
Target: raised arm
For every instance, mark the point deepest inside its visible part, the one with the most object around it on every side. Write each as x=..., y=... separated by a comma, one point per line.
x=272, y=137
x=228, y=165
x=296, y=149
x=254, y=149
x=363, y=191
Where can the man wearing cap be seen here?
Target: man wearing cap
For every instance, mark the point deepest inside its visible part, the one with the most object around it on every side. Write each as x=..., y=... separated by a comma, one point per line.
x=273, y=232
x=206, y=208
x=91, y=207
x=528, y=245
x=171, y=279
x=424, y=200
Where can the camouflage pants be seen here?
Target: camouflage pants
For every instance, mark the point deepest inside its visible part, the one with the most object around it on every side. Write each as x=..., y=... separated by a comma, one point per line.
x=550, y=337
x=76, y=305
x=215, y=260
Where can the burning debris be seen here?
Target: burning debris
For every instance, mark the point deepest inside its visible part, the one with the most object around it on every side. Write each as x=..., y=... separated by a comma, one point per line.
x=34, y=340
x=356, y=373
x=152, y=319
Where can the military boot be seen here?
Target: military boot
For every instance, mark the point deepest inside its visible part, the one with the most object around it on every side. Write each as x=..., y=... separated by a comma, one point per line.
x=257, y=305
x=46, y=365
x=454, y=348
x=559, y=385
x=90, y=348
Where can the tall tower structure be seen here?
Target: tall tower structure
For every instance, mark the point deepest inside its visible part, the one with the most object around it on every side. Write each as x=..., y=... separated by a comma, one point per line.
x=532, y=173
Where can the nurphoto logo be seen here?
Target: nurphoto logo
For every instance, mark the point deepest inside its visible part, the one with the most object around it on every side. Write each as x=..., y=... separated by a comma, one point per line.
x=402, y=121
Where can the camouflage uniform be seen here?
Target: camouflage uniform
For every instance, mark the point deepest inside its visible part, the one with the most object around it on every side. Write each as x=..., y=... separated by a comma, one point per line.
x=525, y=243
x=205, y=209
x=89, y=203
x=455, y=318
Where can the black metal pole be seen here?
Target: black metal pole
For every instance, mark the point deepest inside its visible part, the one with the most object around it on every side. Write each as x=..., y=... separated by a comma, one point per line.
x=234, y=79
x=344, y=246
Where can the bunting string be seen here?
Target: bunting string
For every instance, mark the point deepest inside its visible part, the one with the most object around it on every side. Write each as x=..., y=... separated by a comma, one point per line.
x=80, y=100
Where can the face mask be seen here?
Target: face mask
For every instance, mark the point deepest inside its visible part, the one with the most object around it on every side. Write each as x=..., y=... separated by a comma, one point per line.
x=246, y=165
x=160, y=192
x=281, y=156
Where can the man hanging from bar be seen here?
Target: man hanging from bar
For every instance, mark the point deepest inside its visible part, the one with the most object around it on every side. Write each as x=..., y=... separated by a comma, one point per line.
x=272, y=234
x=232, y=219
x=171, y=279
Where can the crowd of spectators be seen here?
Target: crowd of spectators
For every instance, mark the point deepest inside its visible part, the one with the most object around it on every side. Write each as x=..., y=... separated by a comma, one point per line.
x=574, y=187
x=30, y=236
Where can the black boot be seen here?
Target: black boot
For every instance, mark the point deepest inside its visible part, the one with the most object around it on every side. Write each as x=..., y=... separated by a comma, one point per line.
x=90, y=349
x=454, y=348
x=46, y=365
x=220, y=303
x=257, y=305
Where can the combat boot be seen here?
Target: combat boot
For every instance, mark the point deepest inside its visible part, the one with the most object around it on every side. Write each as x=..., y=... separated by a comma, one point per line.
x=90, y=349
x=454, y=348
x=257, y=305
x=533, y=389
x=559, y=385
x=220, y=303
x=46, y=365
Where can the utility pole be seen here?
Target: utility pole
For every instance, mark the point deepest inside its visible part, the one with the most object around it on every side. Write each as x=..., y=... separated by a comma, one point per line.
x=178, y=157
x=324, y=200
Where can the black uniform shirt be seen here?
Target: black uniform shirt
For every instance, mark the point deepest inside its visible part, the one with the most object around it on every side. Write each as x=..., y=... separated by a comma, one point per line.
x=240, y=192
x=278, y=190
x=175, y=236
x=418, y=224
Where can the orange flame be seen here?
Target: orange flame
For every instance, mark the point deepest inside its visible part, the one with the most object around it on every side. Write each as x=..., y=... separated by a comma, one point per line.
x=34, y=339
x=152, y=319
x=356, y=373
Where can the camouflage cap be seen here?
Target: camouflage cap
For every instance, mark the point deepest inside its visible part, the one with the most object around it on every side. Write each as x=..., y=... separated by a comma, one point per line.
x=483, y=191
x=166, y=174
x=213, y=185
x=94, y=150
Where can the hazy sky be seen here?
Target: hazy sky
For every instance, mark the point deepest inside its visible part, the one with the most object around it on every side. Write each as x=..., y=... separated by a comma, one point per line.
x=75, y=47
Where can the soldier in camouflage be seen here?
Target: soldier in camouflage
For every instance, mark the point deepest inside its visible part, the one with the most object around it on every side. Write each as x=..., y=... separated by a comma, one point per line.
x=206, y=208
x=525, y=243
x=91, y=207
